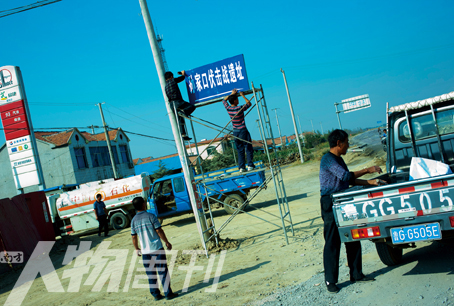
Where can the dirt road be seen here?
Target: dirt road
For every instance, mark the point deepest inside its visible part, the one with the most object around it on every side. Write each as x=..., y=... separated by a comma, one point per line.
x=260, y=269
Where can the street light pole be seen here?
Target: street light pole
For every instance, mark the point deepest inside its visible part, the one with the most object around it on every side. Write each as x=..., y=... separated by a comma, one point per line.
x=293, y=118
x=188, y=175
x=279, y=129
x=112, y=160
x=338, y=118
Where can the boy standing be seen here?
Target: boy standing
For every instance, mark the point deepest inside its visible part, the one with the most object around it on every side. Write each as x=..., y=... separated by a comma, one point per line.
x=148, y=229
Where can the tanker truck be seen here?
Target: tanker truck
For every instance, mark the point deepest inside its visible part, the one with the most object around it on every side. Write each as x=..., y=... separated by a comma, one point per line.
x=72, y=211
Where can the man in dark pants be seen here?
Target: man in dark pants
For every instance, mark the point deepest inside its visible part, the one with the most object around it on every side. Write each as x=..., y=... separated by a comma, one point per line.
x=101, y=215
x=176, y=101
x=240, y=131
x=334, y=177
x=148, y=229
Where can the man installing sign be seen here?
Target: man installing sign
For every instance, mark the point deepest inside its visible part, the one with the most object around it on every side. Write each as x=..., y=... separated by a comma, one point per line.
x=240, y=131
x=176, y=100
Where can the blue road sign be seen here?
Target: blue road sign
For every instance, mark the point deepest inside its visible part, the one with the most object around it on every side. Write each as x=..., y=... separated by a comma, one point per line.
x=217, y=79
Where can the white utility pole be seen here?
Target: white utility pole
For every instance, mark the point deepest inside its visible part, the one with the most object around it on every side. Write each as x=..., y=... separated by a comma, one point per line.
x=112, y=159
x=301, y=130
x=188, y=175
x=312, y=126
x=293, y=118
x=321, y=127
x=278, y=127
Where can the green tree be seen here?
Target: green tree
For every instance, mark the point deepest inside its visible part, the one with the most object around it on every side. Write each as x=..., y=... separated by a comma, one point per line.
x=161, y=172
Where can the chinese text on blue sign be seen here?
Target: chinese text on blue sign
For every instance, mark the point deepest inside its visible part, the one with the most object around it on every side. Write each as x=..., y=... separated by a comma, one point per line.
x=217, y=79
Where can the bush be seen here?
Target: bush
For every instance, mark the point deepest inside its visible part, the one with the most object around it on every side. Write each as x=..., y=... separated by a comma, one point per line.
x=312, y=140
x=219, y=161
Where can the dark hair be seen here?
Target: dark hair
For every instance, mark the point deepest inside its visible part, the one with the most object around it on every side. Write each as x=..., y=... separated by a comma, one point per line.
x=99, y=195
x=384, y=130
x=138, y=203
x=336, y=135
x=168, y=75
x=232, y=98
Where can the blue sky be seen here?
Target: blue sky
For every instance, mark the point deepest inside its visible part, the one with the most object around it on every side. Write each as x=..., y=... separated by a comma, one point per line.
x=74, y=54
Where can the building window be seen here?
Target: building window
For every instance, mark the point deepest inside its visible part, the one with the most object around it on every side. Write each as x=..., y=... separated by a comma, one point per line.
x=124, y=154
x=115, y=154
x=100, y=156
x=211, y=150
x=81, y=158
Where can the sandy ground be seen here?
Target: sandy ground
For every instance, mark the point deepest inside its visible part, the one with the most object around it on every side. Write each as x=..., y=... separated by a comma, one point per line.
x=254, y=272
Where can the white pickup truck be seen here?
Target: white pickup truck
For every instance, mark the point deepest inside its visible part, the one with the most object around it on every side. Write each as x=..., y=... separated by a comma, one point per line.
x=72, y=211
x=398, y=215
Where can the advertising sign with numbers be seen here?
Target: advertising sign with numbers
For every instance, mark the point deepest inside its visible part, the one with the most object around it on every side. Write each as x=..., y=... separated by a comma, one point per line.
x=18, y=129
x=217, y=79
x=355, y=103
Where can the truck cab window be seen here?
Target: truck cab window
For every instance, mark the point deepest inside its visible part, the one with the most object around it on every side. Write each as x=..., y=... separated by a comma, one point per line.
x=422, y=127
x=167, y=187
x=178, y=184
x=445, y=121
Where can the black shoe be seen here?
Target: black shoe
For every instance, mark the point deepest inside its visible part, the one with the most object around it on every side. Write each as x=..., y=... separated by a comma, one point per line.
x=186, y=137
x=99, y=234
x=180, y=113
x=171, y=295
x=158, y=297
x=332, y=288
x=363, y=279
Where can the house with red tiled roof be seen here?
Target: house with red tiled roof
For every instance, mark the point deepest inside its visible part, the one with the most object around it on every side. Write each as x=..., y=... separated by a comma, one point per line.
x=73, y=157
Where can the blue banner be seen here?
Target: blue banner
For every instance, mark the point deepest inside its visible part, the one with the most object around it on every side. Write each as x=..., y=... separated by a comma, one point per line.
x=217, y=79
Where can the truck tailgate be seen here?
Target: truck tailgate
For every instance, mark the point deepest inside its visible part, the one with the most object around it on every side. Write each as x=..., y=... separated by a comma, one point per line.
x=395, y=201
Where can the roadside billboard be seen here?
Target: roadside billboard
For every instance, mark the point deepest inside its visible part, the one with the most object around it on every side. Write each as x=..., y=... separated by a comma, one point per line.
x=355, y=103
x=217, y=79
x=20, y=141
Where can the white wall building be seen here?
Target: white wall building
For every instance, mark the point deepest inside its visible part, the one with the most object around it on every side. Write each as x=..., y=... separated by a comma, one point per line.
x=72, y=157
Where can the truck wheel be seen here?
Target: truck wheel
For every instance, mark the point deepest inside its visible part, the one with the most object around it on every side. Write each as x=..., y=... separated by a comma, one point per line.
x=388, y=254
x=234, y=200
x=119, y=221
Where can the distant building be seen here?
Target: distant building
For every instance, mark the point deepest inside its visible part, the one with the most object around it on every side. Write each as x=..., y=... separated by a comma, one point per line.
x=72, y=157
x=208, y=147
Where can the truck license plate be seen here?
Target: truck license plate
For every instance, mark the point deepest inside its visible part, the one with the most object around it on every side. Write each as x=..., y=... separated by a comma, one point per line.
x=414, y=233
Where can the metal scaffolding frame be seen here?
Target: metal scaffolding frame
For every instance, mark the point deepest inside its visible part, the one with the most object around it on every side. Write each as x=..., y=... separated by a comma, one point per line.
x=275, y=171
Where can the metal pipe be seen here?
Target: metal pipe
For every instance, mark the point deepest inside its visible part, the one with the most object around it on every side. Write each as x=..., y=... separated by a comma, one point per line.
x=188, y=175
x=293, y=118
x=410, y=131
x=279, y=172
x=440, y=145
x=269, y=159
x=278, y=127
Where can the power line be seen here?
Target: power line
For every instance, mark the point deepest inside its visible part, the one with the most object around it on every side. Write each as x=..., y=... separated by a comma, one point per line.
x=149, y=136
x=24, y=8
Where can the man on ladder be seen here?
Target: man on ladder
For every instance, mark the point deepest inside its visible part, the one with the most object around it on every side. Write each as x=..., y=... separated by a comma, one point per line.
x=176, y=101
x=240, y=131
